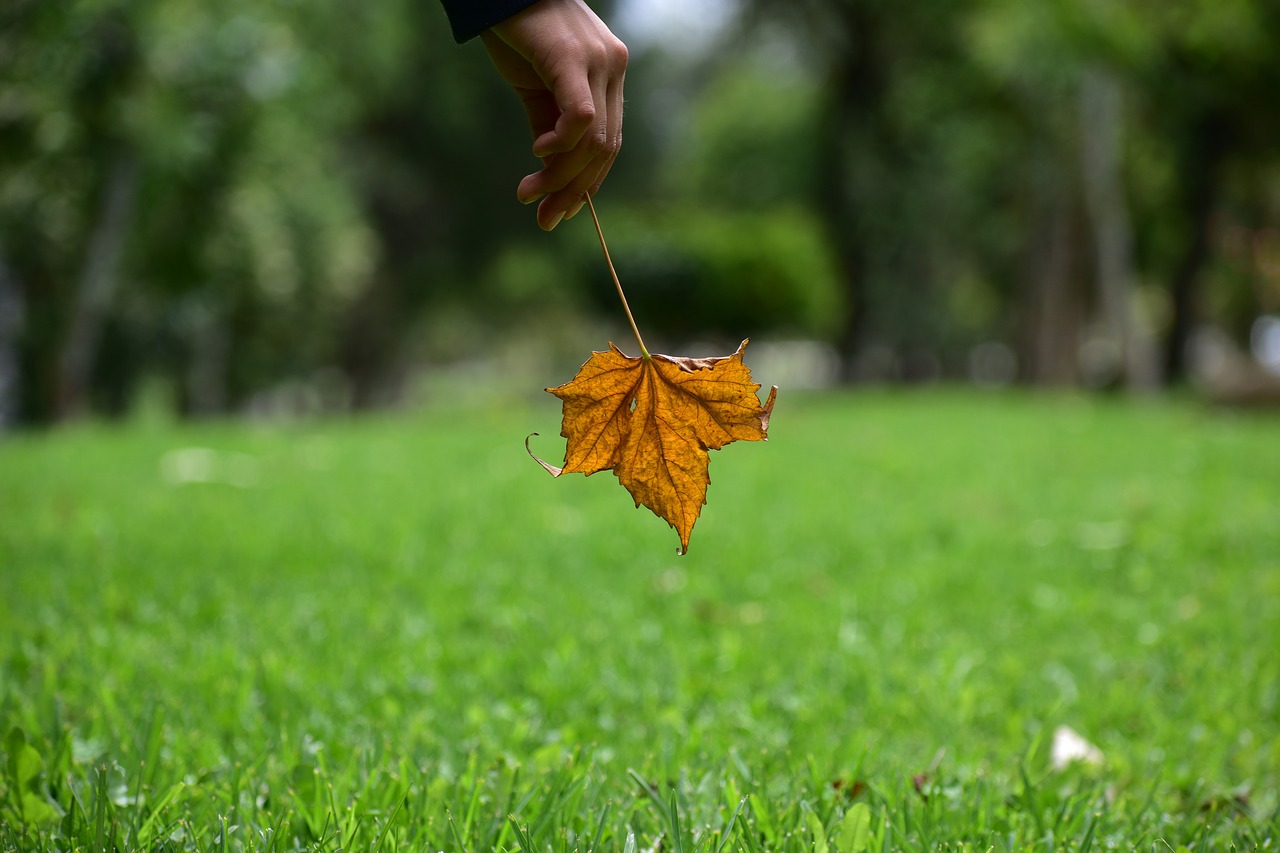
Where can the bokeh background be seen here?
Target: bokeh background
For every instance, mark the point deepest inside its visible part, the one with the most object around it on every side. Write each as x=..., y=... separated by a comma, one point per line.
x=288, y=206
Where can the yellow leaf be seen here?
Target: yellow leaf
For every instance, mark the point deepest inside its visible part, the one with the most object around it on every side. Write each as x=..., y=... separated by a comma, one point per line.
x=652, y=419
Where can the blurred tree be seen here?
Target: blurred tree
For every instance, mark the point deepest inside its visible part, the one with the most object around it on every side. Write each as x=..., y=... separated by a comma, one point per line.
x=910, y=169
x=701, y=273
x=726, y=245
x=185, y=152
x=1211, y=80
x=423, y=149
x=67, y=187
x=959, y=138
x=239, y=196
x=1049, y=57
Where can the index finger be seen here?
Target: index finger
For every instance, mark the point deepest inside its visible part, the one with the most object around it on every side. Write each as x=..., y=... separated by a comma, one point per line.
x=577, y=102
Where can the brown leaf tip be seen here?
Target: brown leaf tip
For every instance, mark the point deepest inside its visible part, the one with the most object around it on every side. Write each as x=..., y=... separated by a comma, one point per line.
x=768, y=412
x=551, y=469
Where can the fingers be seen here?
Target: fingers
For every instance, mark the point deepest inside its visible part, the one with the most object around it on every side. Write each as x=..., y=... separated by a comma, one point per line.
x=580, y=107
x=588, y=138
x=565, y=203
x=614, y=101
x=589, y=123
x=575, y=107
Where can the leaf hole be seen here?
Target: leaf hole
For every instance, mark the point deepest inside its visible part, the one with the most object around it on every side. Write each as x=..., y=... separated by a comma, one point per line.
x=633, y=404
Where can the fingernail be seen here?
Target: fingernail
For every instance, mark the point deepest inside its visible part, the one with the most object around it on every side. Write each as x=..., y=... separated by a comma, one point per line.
x=555, y=222
x=529, y=200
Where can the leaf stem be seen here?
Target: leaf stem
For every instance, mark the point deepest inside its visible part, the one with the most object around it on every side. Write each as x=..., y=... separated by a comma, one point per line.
x=608, y=260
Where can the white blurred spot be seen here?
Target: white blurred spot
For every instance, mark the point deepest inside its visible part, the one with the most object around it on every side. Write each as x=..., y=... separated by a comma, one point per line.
x=1069, y=747
x=794, y=364
x=683, y=25
x=1264, y=341
x=1102, y=535
x=848, y=637
x=205, y=465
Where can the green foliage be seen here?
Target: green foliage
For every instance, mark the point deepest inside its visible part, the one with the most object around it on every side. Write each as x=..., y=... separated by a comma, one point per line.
x=224, y=198
x=752, y=139
x=246, y=145
x=691, y=270
x=26, y=799
x=400, y=634
x=223, y=124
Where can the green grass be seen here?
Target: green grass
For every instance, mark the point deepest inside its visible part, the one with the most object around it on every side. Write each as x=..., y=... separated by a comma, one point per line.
x=393, y=634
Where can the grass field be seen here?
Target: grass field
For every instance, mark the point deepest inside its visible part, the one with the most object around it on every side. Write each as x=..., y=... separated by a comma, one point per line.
x=393, y=634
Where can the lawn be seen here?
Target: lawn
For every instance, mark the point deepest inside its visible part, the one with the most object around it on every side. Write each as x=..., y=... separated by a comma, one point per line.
x=399, y=633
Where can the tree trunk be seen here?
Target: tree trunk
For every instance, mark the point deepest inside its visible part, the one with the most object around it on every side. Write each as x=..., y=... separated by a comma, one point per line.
x=11, y=319
x=205, y=382
x=1051, y=303
x=1101, y=157
x=96, y=288
x=1199, y=163
x=839, y=213
x=848, y=132
x=364, y=353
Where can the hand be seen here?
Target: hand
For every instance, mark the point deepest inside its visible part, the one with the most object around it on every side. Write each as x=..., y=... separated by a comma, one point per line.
x=567, y=68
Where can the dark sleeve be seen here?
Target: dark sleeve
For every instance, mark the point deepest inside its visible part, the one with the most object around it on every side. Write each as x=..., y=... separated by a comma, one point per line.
x=469, y=18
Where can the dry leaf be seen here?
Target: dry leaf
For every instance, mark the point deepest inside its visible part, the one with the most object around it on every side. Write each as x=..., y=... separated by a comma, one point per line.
x=652, y=419
x=1069, y=747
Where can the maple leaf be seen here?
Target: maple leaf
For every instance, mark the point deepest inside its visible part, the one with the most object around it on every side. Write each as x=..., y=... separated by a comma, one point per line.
x=652, y=419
